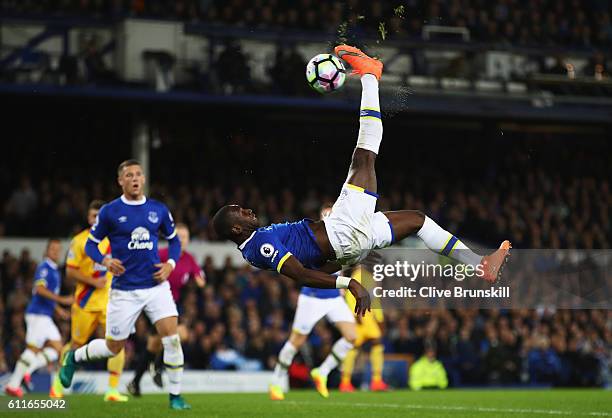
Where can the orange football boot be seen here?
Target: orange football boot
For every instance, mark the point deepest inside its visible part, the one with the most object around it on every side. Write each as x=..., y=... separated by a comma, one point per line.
x=361, y=63
x=493, y=264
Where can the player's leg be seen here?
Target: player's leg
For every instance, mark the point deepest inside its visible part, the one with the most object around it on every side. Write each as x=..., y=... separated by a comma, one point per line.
x=285, y=358
x=82, y=326
x=362, y=173
x=144, y=360
x=343, y=319
x=13, y=386
x=114, y=365
x=308, y=312
x=36, y=337
x=121, y=314
x=404, y=223
x=161, y=310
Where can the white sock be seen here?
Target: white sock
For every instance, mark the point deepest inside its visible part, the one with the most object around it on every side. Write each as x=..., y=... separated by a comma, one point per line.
x=94, y=350
x=370, y=122
x=285, y=358
x=47, y=356
x=21, y=367
x=445, y=243
x=339, y=350
x=173, y=360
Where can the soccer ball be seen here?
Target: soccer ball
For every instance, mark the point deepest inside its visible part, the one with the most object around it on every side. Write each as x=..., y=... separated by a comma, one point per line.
x=325, y=73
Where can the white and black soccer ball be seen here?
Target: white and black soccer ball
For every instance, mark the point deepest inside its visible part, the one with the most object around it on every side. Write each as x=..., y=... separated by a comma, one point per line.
x=325, y=73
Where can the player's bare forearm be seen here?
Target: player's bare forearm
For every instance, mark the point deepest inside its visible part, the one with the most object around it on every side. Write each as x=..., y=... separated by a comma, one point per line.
x=330, y=267
x=46, y=293
x=307, y=277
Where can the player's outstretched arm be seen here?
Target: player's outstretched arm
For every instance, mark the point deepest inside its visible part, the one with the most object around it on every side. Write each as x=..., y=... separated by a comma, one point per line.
x=46, y=293
x=307, y=277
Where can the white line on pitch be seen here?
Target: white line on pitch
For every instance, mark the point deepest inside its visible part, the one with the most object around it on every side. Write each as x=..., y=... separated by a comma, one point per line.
x=455, y=408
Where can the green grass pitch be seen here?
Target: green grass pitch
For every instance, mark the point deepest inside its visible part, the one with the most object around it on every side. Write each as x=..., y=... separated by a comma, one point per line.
x=308, y=404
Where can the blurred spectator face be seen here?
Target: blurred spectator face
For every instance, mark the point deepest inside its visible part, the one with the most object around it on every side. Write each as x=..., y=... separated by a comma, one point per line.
x=183, y=234
x=430, y=353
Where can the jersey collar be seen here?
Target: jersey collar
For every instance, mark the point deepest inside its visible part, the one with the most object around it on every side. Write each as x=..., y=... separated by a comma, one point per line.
x=241, y=246
x=133, y=202
x=52, y=263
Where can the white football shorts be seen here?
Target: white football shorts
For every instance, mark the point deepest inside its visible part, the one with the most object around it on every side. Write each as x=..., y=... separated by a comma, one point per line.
x=353, y=228
x=40, y=329
x=311, y=309
x=124, y=306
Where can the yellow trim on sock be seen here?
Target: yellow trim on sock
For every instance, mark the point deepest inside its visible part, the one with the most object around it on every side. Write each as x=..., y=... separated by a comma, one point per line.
x=446, y=243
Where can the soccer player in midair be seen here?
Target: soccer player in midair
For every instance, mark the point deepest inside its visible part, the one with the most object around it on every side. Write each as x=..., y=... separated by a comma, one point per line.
x=308, y=251
x=132, y=224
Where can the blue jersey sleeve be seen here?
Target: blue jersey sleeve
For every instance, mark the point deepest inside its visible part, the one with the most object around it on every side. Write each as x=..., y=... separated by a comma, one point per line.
x=268, y=251
x=101, y=227
x=167, y=224
x=42, y=277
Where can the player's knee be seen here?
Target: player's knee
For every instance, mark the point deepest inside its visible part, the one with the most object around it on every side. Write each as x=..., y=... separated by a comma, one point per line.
x=297, y=340
x=115, y=346
x=419, y=218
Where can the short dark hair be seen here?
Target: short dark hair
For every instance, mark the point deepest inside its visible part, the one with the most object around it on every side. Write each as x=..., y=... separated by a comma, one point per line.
x=222, y=222
x=95, y=204
x=126, y=163
x=51, y=241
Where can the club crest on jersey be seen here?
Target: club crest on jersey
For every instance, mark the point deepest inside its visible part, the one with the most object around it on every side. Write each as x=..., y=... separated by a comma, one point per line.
x=153, y=217
x=266, y=250
x=140, y=239
x=122, y=219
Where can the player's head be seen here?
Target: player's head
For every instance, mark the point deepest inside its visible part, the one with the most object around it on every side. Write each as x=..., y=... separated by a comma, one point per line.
x=54, y=249
x=325, y=210
x=131, y=179
x=93, y=210
x=183, y=234
x=232, y=222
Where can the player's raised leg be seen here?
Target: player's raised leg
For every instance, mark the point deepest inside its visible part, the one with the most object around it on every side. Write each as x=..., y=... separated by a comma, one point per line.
x=362, y=173
x=408, y=222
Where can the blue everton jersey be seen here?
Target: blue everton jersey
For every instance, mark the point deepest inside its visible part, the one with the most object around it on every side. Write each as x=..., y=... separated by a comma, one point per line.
x=132, y=229
x=320, y=293
x=269, y=247
x=48, y=275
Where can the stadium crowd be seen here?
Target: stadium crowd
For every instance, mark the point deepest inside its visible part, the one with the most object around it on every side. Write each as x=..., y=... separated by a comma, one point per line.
x=521, y=195
x=242, y=317
x=522, y=22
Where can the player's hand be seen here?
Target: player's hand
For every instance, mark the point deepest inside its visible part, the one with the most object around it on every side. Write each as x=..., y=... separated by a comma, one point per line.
x=99, y=283
x=362, y=297
x=65, y=300
x=200, y=280
x=114, y=265
x=62, y=313
x=164, y=271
